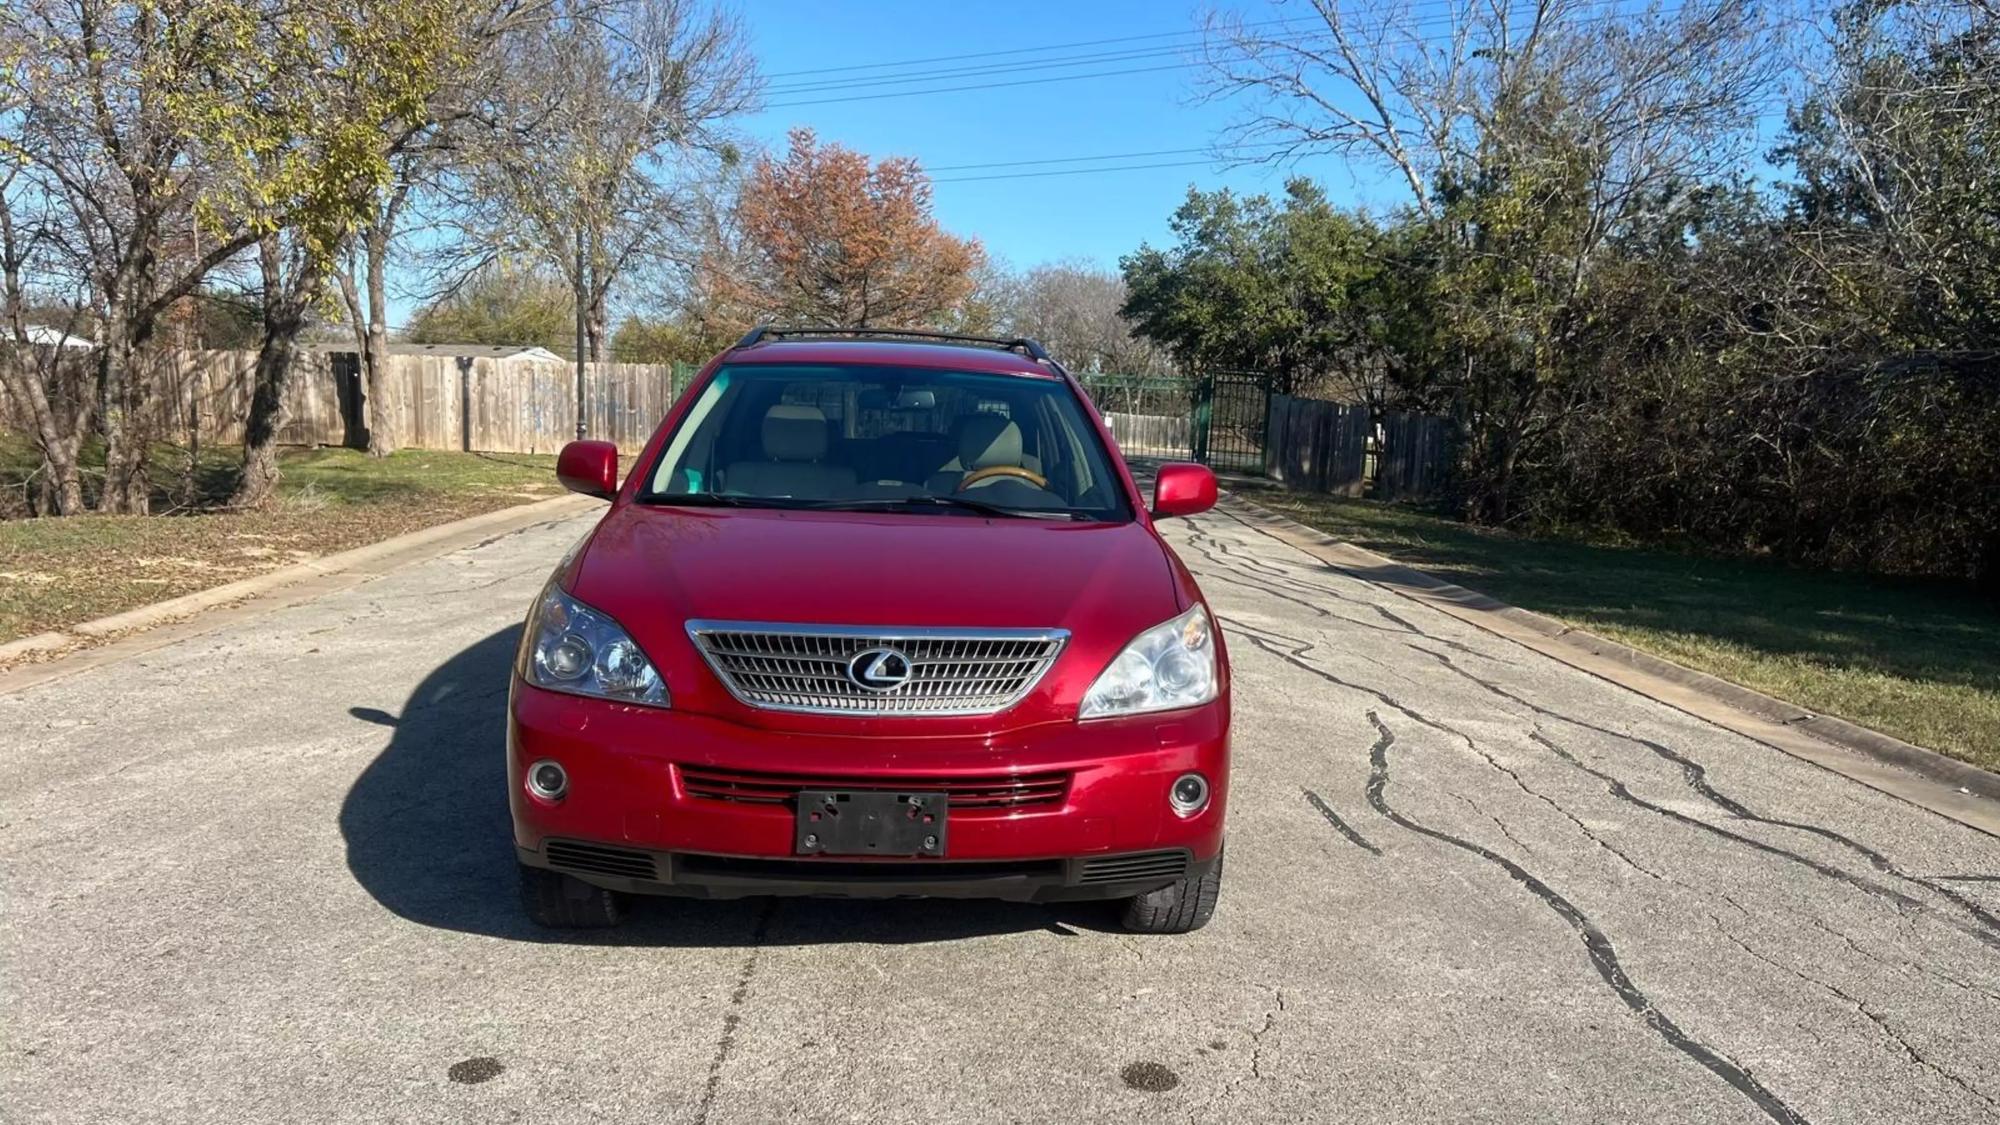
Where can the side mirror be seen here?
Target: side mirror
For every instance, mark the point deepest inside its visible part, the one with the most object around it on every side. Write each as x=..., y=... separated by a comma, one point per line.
x=591, y=468
x=1183, y=488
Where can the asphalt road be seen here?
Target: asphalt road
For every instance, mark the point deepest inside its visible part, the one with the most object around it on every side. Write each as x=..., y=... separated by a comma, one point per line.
x=263, y=875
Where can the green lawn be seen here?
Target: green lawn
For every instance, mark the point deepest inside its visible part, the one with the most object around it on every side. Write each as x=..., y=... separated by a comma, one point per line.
x=1918, y=660
x=58, y=572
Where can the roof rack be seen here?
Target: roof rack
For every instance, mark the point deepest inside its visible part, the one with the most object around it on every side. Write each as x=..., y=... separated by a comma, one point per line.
x=1027, y=347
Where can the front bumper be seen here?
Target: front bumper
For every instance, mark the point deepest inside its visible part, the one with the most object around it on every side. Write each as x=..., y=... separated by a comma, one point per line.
x=1109, y=833
x=691, y=875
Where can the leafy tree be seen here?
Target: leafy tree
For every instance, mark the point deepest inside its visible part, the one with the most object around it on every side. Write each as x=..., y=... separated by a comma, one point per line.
x=673, y=340
x=829, y=238
x=1283, y=289
x=499, y=307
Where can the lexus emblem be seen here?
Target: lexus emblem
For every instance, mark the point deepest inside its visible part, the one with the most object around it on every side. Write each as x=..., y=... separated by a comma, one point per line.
x=878, y=669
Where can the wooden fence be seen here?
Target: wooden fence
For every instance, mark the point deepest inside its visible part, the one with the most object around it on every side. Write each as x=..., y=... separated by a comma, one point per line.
x=1337, y=448
x=1415, y=457
x=1317, y=446
x=442, y=402
x=1150, y=435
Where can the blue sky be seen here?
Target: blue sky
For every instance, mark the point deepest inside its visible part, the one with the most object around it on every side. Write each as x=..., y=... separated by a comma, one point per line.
x=1096, y=217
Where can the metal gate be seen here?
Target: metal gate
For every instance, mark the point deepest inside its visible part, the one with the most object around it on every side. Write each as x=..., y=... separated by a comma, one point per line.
x=1230, y=416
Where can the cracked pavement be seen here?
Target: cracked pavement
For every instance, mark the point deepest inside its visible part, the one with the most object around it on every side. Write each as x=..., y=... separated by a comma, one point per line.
x=263, y=875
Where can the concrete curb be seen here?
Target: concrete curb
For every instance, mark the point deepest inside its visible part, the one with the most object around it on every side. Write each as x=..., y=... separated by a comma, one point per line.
x=1946, y=786
x=272, y=590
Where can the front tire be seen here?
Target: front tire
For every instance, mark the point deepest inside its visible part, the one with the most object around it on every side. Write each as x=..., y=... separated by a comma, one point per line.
x=565, y=902
x=1179, y=907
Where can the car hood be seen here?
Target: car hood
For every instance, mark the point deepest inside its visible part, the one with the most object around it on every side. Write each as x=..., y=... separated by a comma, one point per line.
x=654, y=569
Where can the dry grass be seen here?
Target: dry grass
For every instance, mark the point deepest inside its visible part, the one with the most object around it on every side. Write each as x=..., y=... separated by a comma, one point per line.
x=58, y=572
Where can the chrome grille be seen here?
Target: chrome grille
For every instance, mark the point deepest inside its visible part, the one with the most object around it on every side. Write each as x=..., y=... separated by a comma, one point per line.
x=805, y=667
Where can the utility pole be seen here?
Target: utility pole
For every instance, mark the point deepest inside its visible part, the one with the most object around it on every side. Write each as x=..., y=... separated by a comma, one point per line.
x=582, y=290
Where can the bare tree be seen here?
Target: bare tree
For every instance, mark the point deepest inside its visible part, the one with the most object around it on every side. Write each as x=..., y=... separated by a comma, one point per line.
x=45, y=381
x=424, y=159
x=1073, y=308
x=600, y=126
x=116, y=171
x=1657, y=95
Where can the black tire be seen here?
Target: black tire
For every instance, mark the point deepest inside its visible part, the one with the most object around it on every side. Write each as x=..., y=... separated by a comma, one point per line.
x=1179, y=907
x=565, y=902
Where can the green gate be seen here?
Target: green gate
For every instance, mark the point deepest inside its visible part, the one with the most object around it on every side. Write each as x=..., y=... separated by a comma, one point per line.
x=1231, y=413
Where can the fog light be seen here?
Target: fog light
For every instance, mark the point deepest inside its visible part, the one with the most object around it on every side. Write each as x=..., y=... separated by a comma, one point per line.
x=548, y=781
x=1189, y=794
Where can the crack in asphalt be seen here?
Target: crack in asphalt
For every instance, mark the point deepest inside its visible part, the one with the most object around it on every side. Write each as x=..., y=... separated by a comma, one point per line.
x=1255, y=576
x=1257, y=1036
x=726, y=1045
x=1603, y=954
x=1410, y=627
x=1497, y=822
x=1618, y=788
x=1860, y=1005
x=1262, y=578
x=1339, y=825
x=1696, y=777
x=1902, y=963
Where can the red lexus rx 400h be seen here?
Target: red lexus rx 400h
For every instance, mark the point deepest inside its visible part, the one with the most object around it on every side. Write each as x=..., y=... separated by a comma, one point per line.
x=873, y=614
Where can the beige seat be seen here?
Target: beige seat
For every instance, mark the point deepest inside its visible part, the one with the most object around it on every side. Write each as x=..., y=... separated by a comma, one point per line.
x=984, y=440
x=795, y=442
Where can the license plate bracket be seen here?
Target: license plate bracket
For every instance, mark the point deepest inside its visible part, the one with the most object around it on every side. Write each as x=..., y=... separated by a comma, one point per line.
x=870, y=822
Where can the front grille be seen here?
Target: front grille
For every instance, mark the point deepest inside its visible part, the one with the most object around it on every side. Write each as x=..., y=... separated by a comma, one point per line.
x=597, y=859
x=986, y=791
x=1132, y=868
x=805, y=667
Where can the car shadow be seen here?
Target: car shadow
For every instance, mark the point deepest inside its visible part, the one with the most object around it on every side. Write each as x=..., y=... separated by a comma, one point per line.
x=428, y=836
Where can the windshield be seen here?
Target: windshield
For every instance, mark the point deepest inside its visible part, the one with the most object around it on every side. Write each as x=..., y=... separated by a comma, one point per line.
x=894, y=438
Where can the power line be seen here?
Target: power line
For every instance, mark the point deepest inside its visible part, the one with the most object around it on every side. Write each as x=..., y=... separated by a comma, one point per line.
x=1192, y=31
x=1024, y=50
x=1100, y=156
x=1223, y=155
x=1085, y=60
x=1094, y=58
x=980, y=86
x=1073, y=171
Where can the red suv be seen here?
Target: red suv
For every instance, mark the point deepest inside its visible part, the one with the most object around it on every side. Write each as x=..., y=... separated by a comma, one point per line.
x=876, y=614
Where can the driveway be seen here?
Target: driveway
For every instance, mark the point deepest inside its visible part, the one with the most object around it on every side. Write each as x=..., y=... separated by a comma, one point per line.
x=264, y=875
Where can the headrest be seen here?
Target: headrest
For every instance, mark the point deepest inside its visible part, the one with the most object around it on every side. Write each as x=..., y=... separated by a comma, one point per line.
x=794, y=433
x=985, y=440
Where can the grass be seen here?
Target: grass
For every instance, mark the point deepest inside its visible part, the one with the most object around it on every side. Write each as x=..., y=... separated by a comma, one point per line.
x=1914, y=659
x=58, y=572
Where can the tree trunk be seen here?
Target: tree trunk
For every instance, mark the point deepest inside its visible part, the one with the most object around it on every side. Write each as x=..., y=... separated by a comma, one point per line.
x=127, y=489
x=284, y=316
x=382, y=411
x=371, y=342
x=28, y=374
x=594, y=325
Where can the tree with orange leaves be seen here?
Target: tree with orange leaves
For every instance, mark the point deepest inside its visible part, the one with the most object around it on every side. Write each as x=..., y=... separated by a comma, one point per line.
x=829, y=240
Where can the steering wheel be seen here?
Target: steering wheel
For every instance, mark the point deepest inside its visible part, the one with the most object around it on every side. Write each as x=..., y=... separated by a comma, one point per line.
x=992, y=471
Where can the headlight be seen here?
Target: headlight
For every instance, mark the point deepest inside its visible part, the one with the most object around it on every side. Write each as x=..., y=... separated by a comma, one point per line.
x=1169, y=666
x=574, y=648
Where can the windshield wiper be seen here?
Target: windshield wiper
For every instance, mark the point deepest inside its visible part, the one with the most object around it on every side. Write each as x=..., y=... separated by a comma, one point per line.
x=721, y=500
x=893, y=503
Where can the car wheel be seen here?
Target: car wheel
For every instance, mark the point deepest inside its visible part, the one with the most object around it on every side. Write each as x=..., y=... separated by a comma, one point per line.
x=566, y=902
x=1178, y=907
